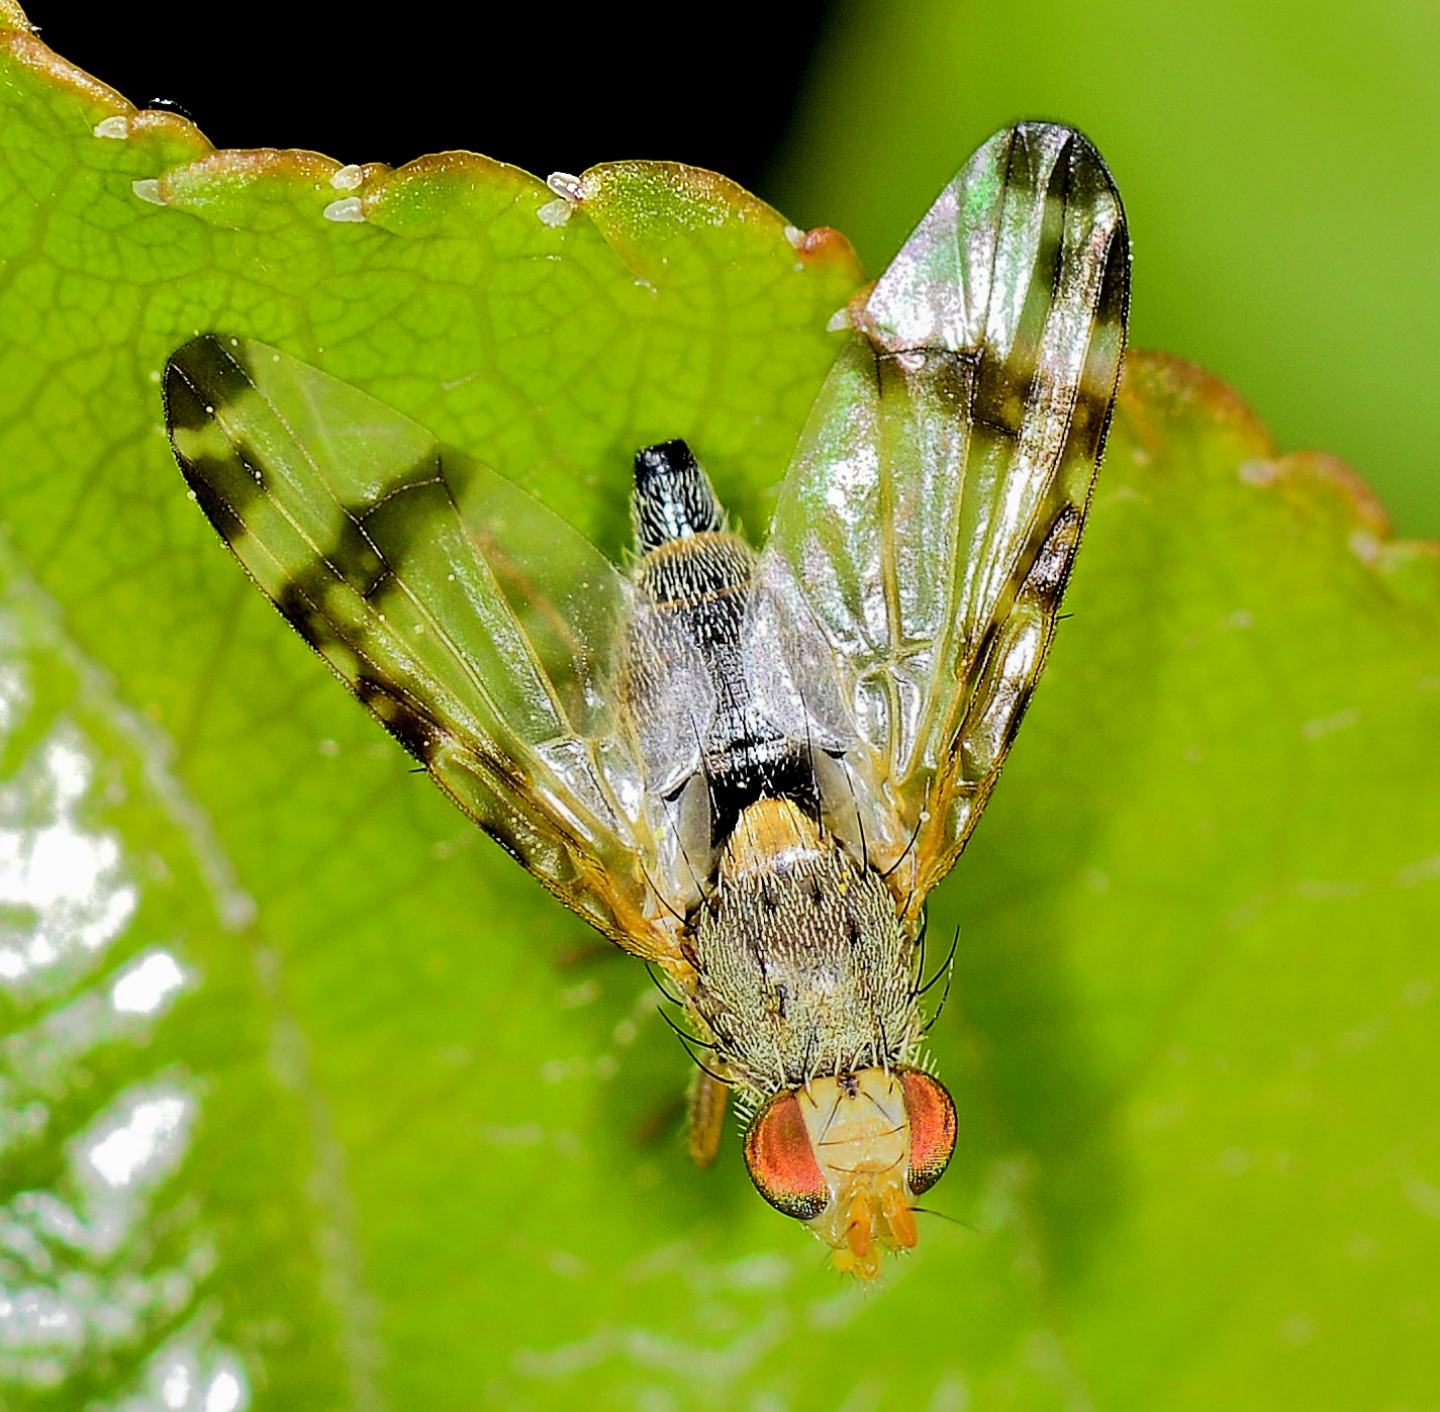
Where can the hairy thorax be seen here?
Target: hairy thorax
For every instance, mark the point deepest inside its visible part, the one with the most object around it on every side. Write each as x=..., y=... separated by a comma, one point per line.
x=803, y=965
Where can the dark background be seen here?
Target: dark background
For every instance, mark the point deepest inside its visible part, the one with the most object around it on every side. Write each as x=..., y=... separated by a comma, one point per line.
x=545, y=92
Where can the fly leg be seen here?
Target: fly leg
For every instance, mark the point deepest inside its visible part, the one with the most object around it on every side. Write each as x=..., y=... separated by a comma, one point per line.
x=705, y=1110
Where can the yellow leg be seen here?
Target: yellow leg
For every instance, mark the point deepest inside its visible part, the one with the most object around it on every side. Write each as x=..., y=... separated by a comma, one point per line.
x=705, y=1109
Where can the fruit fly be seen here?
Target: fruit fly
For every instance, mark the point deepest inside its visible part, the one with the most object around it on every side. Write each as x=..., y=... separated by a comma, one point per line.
x=747, y=766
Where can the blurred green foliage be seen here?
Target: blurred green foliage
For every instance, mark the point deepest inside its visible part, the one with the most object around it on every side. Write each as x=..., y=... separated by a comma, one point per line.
x=1280, y=164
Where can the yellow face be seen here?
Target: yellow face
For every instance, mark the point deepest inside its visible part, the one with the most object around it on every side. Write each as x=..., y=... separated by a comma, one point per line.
x=846, y=1154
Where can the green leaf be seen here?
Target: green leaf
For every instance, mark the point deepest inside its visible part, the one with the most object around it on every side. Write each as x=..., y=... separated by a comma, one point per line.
x=380, y=1140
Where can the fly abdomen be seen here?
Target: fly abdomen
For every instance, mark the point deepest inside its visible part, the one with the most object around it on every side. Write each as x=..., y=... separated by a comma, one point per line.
x=695, y=578
x=673, y=497
x=700, y=586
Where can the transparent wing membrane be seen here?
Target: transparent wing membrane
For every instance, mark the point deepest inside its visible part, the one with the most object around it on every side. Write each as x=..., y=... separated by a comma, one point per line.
x=476, y=625
x=926, y=528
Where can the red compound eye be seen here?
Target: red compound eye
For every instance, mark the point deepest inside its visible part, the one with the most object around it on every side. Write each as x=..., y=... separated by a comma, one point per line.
x=781, y=1161
x=932, y=1129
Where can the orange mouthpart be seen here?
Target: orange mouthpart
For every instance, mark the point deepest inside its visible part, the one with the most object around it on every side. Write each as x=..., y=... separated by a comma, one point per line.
x=857, y=1232
x=900, y=1217
x=864, y=1244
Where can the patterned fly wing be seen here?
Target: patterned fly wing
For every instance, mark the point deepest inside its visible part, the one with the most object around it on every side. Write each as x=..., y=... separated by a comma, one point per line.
x=927, y=525
x=477, y=626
